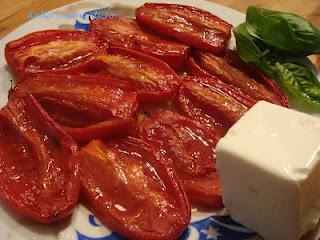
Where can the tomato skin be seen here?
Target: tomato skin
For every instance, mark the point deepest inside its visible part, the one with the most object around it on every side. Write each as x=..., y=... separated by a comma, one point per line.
x=255, y=73
x=105, y=129
x=87, y=107
x=52, y=51
x=151, y=78
x=189, y=144
x=219, y=67
x=228, y=89
x=213, y=102
x=125, y=32
x=190, y=147
x=205, y=191
x=232, y=58
x=195, y=70
x=191, y=25
x=142, y=197
x=38, y=162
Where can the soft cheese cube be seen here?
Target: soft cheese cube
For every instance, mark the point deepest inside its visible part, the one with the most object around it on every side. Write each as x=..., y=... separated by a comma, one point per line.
x=269, y=163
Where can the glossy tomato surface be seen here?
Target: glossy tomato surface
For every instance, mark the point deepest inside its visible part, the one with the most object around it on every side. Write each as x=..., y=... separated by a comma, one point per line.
x=220, y=67
x=125, y=32
x=205, y=191
x=194, y=69
x=52, y=51
x=199, y=28
x=187, y=143
x=255, y=73
x=86, y=107
x=39, y=163
x=132, y=190
x=215, y=83
x=213, y=102
x=151, y=78
x=190, y=147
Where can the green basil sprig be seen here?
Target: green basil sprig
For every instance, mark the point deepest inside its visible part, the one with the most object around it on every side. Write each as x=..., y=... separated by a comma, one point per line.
x=247, y=45
x=286, y=32
x=261, y=40
x=301, y=86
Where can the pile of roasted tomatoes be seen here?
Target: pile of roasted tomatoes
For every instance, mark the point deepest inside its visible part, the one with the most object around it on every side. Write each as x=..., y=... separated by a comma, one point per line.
x=127, y=114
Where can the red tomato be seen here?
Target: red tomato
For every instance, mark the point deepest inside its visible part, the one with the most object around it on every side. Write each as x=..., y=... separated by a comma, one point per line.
x=195, y=70
x=205, y=191
x=228, y=89
x=86, y=107
x=52, y=51
x=38, y=163
x=125, y=32
x=190, y=148
x=213, y=102
x=191, y=25
x=255, y=73
x=130, y=188
x=187, y=143
x=151, y=78
x=219, y=67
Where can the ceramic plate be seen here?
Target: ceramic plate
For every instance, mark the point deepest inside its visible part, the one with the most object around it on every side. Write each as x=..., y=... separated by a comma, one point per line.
x=82, y=225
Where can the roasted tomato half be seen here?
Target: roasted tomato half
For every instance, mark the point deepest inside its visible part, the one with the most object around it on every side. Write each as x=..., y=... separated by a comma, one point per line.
x=132, y=190
x=255, y=73
x=213, y=102
x=194, y=69
x=125, y=32
x=191, y=25
x=38, y=163
x=151, y=78
x=205, y=191
x=86, y=107
x=190, y=147
x=53, y=51
x=220, y=67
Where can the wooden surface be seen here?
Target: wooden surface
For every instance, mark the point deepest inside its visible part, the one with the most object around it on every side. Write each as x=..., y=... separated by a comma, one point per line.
x=13, y=13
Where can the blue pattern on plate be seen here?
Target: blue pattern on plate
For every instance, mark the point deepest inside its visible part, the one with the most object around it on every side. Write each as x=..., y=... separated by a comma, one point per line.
x=92, y=221
x=83, y=22
x=218, y=228
x=212, y=228
x=113, y=236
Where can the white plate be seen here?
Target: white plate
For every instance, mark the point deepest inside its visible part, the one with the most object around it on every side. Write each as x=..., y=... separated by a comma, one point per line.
x=82, y=225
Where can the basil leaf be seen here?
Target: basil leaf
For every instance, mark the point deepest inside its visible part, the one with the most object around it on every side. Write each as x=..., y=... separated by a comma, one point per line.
x=301, y=86
x=252, y=50
x=286, y=32
x=247, y=46
x=269, y=68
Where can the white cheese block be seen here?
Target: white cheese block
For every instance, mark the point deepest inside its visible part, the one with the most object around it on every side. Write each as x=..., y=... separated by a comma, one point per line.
x=269, y=163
